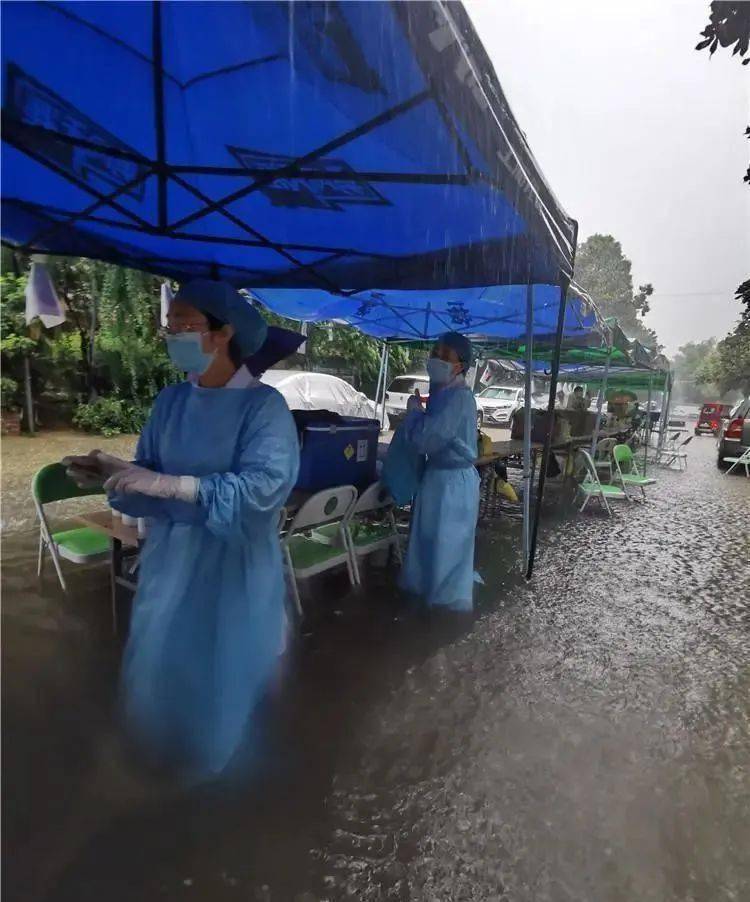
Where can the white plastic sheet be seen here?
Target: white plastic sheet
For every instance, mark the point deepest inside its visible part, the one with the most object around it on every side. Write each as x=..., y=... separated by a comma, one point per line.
x=319, y=391
x=41, y=298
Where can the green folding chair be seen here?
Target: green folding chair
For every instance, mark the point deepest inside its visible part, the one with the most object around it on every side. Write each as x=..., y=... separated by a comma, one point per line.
x=317, y=539
x=627, y=473
x=373, y=525
x=80, y=545
x=591, y=487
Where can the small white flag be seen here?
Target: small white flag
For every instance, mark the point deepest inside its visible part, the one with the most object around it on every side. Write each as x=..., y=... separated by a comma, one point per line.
x=41, y=298
x=166, y=300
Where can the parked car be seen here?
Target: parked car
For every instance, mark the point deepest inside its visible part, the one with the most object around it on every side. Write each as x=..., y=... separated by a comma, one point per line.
x=734, y=437
x=399, y=392
x=319, y=391
x=402, y=388
x=710, y=417
x=498, y=403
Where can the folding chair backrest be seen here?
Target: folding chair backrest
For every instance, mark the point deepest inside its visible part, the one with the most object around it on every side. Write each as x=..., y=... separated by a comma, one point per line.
x=376, y=497
x=324, y=507
x=51, y=483
x=623, y=455
x=604, y=448
x=591, y=474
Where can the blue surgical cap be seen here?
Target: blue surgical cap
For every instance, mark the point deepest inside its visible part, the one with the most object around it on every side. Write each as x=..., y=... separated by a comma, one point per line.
x=226, y=304
x=460, y=344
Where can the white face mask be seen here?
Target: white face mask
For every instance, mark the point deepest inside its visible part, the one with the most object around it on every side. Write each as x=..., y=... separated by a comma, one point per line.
x=439, y=371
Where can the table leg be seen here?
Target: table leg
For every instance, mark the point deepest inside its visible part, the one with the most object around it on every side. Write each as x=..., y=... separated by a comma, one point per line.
x=115, y=563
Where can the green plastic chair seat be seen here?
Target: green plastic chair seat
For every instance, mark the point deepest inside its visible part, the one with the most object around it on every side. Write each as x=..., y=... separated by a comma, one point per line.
x=632, y=479
x=590, y=489
x=364, y=534
x=307, y=553
x=82, y=544
x=328, y=534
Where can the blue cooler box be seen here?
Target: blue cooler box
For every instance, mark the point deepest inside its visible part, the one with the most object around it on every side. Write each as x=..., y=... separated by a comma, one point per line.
x=344, y=453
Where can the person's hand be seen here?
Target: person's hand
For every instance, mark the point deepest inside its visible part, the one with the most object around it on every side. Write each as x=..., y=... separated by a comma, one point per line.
x=109, y=464
x=143, y=481
x=83, y=477
x=90, y=470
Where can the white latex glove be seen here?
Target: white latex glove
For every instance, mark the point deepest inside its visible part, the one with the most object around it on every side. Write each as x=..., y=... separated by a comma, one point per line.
x=140, y=480
x=109, y=464
x=83, y=478
x=91, y=470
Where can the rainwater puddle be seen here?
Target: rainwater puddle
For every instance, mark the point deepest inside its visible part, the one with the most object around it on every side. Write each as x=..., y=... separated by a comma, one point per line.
x=587, y=738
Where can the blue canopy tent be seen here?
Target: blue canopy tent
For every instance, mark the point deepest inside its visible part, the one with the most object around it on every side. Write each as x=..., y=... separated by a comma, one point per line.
x=481, y=313
x=336, y=147
x=506, y=312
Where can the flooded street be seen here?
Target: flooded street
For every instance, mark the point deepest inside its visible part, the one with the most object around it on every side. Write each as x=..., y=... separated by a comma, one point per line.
x=586, y=738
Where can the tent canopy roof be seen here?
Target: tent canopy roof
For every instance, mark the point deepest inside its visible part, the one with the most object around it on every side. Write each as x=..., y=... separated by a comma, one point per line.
x=336, y=146
x=481, y=313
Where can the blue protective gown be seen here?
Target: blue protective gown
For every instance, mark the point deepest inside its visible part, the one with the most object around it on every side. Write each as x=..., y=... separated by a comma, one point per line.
x=208, y=615
x=439, y=563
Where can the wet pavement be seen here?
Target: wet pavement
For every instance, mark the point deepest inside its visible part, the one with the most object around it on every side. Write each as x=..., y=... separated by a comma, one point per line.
x=587, y=737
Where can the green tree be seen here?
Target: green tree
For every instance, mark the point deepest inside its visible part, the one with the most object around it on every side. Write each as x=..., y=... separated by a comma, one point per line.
x=728, y=26
x=18, y=340
x=728, y=365
x=605, y=272
x=688, y=363
x=130, y=354
x=345, y=346
x=107, y=347
x=349, y=351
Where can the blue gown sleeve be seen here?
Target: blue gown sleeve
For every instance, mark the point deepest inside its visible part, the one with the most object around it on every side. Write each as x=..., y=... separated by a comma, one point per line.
x=266, y=473
x=435, y=430
x=147, y=455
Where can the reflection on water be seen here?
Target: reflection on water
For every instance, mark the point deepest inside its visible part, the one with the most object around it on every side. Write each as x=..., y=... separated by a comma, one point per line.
x=588, y=738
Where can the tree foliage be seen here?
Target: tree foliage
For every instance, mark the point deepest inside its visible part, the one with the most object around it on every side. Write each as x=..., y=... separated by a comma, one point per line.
x=354, y=354
x=106, y=363
x=605, y=272
x=728, y=24
x=688, y=363
x=18, y=341
x=728, y=365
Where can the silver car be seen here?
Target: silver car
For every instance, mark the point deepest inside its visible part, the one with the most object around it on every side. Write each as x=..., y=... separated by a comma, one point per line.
x=498, y=403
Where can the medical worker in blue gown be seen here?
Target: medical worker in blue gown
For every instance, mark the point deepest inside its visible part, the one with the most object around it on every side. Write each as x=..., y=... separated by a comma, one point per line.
x=439, y=563
x=215, y=464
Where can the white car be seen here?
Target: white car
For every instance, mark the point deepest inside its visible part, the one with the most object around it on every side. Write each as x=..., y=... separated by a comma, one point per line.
x=402, y=388
x=498, y=403
x=319, y=391
x=399, y=392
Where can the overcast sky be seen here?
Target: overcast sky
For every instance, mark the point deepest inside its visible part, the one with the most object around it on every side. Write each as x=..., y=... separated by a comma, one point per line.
x=639, y=136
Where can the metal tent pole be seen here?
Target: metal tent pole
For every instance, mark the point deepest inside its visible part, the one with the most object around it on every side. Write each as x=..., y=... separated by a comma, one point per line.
x=27, y=392
x=28, y=396
x=666, y=402
x=564, y=285
x=599, y=404
x=527, y=426
x=647, y=436
x=385, y=382
x=380, y=381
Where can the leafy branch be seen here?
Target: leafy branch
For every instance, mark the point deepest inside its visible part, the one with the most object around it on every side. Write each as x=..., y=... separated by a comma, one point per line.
x=729, y=24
